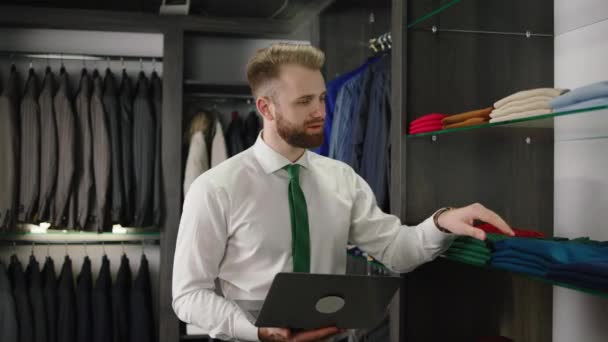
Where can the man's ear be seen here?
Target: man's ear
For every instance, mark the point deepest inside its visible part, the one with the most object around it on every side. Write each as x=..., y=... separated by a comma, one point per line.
x=265, y=107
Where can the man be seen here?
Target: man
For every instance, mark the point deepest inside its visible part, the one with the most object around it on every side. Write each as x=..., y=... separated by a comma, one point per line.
x=277, y=207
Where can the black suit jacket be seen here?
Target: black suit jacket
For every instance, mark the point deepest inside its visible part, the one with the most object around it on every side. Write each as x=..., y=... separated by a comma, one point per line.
x=102, y=304
x=64, y=198
x=112, y=108
x=84, y=304
x=30, y=151
x=9, y=330
x=143, y=153
x=121, y=302
x=49, y=290
x=48, y=147
x=22, y=300
x=66, y=309
x=34, y=280
x=9, y=151
x=156, y=93
x=142, y=318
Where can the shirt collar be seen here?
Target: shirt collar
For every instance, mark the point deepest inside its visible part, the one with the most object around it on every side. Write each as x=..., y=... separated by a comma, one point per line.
x=273, y=161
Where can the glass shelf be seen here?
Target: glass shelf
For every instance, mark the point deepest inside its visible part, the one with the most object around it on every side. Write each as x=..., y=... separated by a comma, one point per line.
x=60, y=236
x=535, y=121
x=544, y=280
x=442, y=7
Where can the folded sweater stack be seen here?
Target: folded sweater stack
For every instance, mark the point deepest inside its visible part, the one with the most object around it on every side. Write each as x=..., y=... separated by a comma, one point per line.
x=592, y=95
x=466, y=119
x=524, y=104
x=427, y=123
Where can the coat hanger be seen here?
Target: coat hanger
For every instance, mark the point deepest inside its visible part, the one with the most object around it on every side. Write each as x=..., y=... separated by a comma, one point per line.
x=103, y=248
x=86, y=252
x=33, y=244
x=122, y=245
x=143, y=251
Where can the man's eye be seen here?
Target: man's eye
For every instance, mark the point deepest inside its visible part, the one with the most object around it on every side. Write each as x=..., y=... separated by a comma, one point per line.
x=306, y=101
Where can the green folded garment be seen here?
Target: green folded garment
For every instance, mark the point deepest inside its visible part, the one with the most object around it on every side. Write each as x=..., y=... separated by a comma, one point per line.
x=468, y=252
x=469, y=255
x=468, y=260
x=470, y=247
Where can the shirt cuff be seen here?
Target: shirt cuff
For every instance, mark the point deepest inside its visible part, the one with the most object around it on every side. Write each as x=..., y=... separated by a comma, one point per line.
x=434, y=236
x=244, y=330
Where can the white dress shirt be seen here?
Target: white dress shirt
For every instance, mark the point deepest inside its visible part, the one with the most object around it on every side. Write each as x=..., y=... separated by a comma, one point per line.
x=236, y=227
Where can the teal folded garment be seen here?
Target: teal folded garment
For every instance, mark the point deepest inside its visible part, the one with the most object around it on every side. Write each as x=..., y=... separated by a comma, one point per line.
x=455, y=250
x=532, y=259
x=554, y=252
x=520, y=268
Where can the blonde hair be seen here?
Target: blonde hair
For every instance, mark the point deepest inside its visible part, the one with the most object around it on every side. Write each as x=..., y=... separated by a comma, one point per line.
x=266, y=64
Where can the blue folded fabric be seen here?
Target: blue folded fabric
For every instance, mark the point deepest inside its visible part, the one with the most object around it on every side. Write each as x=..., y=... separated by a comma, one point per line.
x=602, y=101
x=592, y=268
x=531, y=259
x=555, y=252
x=588, y=92
x=519, y=267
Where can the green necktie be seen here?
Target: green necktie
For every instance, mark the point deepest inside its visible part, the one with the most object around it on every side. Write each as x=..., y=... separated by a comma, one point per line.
x=300, y=237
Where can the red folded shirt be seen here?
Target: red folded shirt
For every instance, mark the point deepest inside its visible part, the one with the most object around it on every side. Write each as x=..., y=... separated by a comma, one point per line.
x=426, y=129
x=428, y=117
x=426, y=123
x=488, y=228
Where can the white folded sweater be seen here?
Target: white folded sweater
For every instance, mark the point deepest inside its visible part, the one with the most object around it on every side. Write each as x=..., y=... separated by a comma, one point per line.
x=539, y=102
x=526, y=94
x=527, y=114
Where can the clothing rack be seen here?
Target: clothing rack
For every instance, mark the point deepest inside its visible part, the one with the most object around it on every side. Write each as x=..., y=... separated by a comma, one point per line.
x=528, y=34
x=78, y=57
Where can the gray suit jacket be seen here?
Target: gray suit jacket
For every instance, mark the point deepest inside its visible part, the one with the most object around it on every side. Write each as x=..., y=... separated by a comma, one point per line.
x=48, y=147
x=126, y=135
x=66, y=129
x=156, y=92
x=30, y=151
x=101, y=157
x=8, y=313
x=84, y=153
x=9, y=151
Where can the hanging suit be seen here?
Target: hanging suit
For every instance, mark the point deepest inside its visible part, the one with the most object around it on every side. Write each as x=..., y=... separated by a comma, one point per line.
x=102, y=304
x=112, y=109
x=48, y=147
x=66, y=304
x=84, y=307
x=22, y=301
x=34, y=280
x=30, y=151
x=142, y=320
x=121, y=302
x=252, y=129
x=143, y=153
x=65, y=193
x=49, y=290
x=84, y=147
x=102, y=162
x=234, y=135
x=126, y=135
x=156, y=93
x=9, y=330
x=9, y=151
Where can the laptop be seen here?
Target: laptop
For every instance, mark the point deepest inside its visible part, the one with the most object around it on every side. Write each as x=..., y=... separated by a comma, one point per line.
x=304, y=301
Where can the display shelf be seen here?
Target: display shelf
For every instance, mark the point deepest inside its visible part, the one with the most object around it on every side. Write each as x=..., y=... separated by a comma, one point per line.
x=58, y=236
x=544, y=280
x=535, y=121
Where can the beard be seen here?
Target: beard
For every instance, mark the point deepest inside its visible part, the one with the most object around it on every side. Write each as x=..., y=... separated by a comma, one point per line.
x=296, y=135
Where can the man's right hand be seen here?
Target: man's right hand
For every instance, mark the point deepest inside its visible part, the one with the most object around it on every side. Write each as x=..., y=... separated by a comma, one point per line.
x=285, y=335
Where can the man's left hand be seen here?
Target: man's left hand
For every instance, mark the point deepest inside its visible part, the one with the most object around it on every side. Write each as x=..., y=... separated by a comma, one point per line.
x=460, y=221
